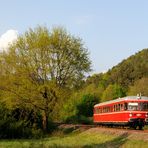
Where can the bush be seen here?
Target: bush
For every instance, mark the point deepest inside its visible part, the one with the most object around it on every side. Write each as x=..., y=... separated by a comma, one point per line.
x=79, y=110
x=85, y=107
x=12, y=125
x=79, y=119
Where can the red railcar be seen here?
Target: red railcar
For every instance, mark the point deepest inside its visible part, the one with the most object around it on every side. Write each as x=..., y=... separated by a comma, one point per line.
x=128, y=111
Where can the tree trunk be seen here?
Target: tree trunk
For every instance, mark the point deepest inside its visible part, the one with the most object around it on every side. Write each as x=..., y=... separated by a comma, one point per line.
x=45, y=121
x=45, y=114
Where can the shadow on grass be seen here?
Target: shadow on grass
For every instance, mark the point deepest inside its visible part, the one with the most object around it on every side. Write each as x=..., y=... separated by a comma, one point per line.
x=115, y=143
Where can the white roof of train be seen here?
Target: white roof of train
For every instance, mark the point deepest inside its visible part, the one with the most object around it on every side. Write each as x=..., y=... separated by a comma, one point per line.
x=123, y=99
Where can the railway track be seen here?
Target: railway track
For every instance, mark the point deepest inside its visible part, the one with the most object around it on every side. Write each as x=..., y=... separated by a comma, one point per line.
x=97, y=127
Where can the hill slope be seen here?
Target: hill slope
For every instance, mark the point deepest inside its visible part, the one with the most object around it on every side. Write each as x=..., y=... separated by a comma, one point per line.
x=128, y=71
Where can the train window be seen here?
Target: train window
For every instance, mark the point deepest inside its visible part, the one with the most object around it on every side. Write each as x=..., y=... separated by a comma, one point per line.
x=106, y=109
x=114, y=108
x=118, y=107
x=121, y=107
x=143, y=106
x=97, y=110
x=125, y=106
x=101, y=110
x=133, y=106
x=109, y=109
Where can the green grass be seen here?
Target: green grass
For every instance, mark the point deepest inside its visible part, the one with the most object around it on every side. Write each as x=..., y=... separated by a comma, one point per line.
x=78, y=139
x=146, y=127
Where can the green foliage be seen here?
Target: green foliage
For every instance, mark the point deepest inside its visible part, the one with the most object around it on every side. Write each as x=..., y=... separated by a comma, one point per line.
x=140, y=86
x=19, y=123
x=57, y=115
x=94, y=79
x=113, y=92
x=93, y=90
x=69, y=110
x=78, y=119
x=130, y=70
x=79, y=108
x=86, y=105
x=39, y=65
x=116, y=82
x=100, y=80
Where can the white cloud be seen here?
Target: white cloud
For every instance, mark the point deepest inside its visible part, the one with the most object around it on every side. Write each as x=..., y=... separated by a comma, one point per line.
x=7, y=38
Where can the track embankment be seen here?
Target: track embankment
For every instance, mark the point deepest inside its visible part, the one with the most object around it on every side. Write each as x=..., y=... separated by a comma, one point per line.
x=129, y=133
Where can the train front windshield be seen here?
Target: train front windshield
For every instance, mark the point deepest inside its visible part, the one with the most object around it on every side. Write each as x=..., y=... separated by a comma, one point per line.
x=133, y=106
x=143, y=106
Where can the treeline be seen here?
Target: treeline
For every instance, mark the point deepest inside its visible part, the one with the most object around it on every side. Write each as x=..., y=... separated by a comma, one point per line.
x=42, y=81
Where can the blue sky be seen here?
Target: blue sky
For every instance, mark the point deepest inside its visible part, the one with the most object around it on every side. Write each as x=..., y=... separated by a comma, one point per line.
x=112, y=30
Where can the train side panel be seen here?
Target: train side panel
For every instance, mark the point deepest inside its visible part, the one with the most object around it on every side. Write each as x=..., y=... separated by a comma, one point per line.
x=118, y=117
x=112, y=117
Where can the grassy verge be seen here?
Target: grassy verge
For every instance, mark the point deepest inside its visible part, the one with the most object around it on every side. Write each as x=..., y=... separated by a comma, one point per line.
x=146, y=127
x=77, y=139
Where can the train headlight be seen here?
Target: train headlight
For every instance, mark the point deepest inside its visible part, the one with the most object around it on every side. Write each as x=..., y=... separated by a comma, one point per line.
x=130, y=114
x=138, y=115
x=146, y=115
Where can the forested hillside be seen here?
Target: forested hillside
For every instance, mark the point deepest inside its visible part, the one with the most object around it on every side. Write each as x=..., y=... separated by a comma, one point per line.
x=130, y=70
x=128, y=77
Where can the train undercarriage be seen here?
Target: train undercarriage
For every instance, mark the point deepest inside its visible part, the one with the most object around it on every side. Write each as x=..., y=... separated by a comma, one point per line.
x=134, y=123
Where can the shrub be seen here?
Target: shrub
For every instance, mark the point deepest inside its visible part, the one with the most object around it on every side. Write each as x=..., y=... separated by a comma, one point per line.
x=13, y=125
x=85, y=107
x=78, y=110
